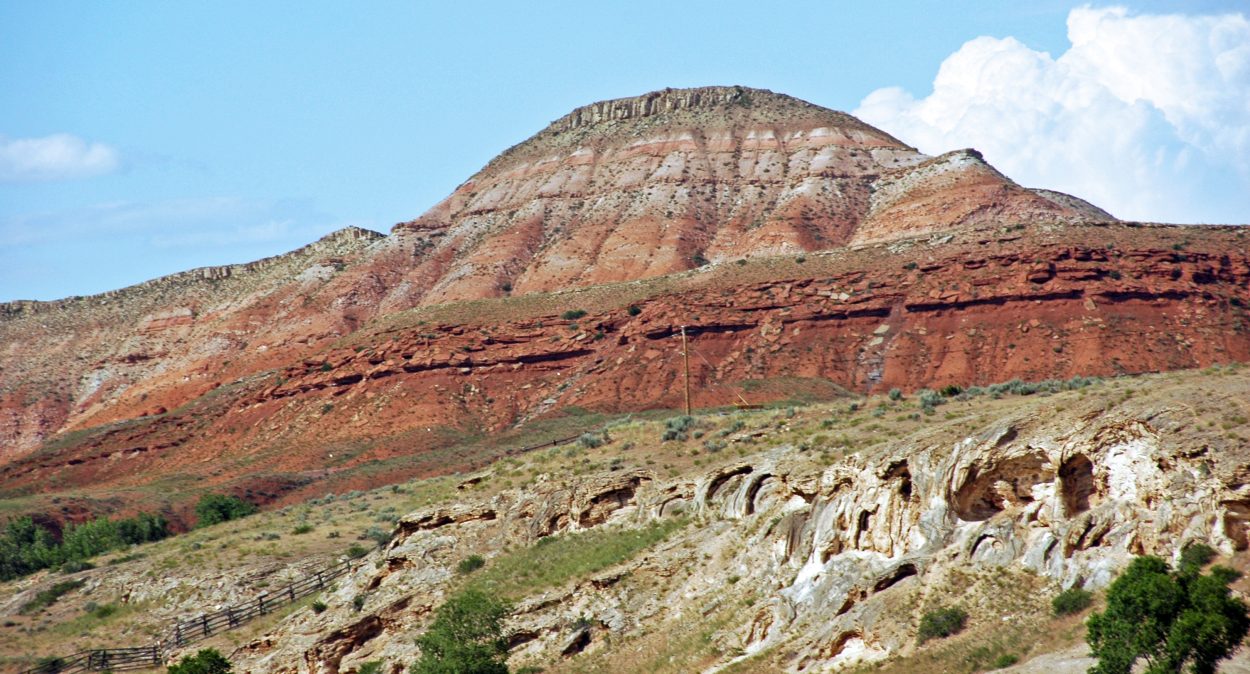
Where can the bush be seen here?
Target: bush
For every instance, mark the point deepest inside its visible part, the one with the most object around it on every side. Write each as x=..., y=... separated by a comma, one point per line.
x=930, y=399
x=470, y=564
x=572, y=314
x=675, y=428
x=1195, y=556
x=466, y=637
x=1071, y=600
x=1005, y=660
x=358, y=602
x=633, y=310
x=319, y=606
x=356, y=551
x=302, y=529
x=207, y=661
x=590, y=440
x=896, y=394
x=377, y=535
x=1177, y=620
x=941, y=623
x=374, y=666
x=217, y=508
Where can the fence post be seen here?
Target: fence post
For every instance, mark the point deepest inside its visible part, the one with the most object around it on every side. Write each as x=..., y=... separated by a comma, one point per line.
x=321, y=583
x=230, y=619
x=260, y=604
x=204, y=622
x=177, y=634
x=291, y=591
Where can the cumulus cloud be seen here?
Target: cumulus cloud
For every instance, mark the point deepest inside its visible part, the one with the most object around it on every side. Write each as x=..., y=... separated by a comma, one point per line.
x=1147, y=116
x=57, y=157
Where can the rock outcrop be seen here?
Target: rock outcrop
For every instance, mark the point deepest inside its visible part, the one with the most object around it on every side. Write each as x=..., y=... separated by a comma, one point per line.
x=837, y=559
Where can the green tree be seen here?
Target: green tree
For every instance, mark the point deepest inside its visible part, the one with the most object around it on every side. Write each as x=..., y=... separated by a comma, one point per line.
x=216, y=508
x=466, y=637
x=207, y=661
x=1177, y=620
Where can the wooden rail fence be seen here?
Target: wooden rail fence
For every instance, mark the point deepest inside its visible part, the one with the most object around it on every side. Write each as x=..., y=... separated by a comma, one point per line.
x=189, y=631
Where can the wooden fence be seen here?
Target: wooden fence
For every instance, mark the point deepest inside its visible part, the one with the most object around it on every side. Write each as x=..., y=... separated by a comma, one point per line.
x=196, y=629
x=189, y=631
x=186, y=631
x=99, y=660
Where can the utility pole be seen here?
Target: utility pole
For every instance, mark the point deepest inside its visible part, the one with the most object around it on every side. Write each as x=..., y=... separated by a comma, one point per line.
x=685, y=356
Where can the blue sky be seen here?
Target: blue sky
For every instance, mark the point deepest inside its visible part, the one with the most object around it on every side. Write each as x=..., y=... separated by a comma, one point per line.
x=144, y=138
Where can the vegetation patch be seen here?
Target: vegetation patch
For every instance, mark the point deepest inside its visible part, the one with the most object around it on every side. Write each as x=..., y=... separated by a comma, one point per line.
x=217, y=508
x=48, y=597
x=556, y=559
x=1072, y=600
x=26, y=547
x=941, y=623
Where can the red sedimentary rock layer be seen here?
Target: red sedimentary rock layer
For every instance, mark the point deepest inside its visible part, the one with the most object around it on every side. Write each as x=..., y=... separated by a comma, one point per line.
x=920, y=271
x=988, y=306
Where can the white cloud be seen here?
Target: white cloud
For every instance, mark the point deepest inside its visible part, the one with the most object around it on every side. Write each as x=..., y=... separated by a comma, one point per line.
x=1147, y=116
x=57, y=157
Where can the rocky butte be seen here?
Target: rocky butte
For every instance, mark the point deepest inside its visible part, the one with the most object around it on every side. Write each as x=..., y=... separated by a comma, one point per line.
x=808, y=255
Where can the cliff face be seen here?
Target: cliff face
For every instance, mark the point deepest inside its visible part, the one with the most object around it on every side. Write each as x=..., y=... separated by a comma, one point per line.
x=150, y=347
x=796, y=243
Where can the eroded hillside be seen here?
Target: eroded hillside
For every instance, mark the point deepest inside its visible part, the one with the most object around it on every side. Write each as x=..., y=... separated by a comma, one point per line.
x=784, y=540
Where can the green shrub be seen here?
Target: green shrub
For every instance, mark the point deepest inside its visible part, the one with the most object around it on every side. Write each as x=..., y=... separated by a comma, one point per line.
x=930, y=399
x=1194, y=557
x=941, y=623
x=675, y=428
x=375, y=666
x=896, y=394
x=216, y=508
x=1177, y=620
x=465, y=637
x=98, y=611
x=590, y=440
x=572, y=314
x=356, y=551
x=470, y=564
x=358, y=602
x=206, y=661
x=1004, y=660
x=1071, y=600
x=319, y=606
x=378, y=535
x=302, y=529
x=633, y=310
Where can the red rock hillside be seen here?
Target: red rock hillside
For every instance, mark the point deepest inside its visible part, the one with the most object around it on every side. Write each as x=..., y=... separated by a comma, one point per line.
x=807, y=253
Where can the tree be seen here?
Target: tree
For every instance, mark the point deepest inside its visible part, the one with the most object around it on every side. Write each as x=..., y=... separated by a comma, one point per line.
x=466, y=637
x=1177, y=620
x=207, y=661
x=215, y=508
